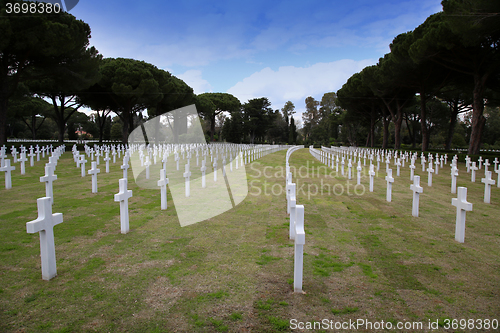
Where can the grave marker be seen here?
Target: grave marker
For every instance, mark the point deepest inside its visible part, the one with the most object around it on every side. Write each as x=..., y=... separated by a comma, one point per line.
x=122, y=196
x=48, y=179
x=488, y=182
x=203, y=170
x=473, y=169
x=389, y=181
x=7, y=168
x=107, y=159
x=187, y=175
x=372, y=174
x=462, y=207
x=430, y=170
x=82, y=164
x=412, y=169
x=359, y=172
x=417, y=189
x=454, y=175
x=32, y=157
x=44, y=224
x=163, y=189
x=94, y=171
x=23, y=159
x=486, y=165
x=300, y=240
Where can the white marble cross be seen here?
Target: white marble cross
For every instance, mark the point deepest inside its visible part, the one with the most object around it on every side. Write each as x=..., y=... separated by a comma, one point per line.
x=342, y=166
x=23, y=160
x=436, y=163
x=163, y=188
x=82, y=164
x=389, y=179
x=122, y=196
x=32, y=157
x=454, y=175
x=164, y=161
x=37, y=153
x=147, y=164
x=462, y=207
x=2, y=156
x=94, y=171
x=45, y=225
x=187, y=176
x=53, y=161
x=430, y=170
x=486, y=165
x=412, y=169
x=300, y=240
x=480, y=162
x=292, y=204
x=473, y=169
x=359, y=172
x=125, y=166
x=7, y=168
x=107, y=159
x=496, y=162
x=422, y=161
x=223, y=166
x=14, y=154
x=177, y=160
x=203, y=170
x=398, y=165
x=215, y=169
x=488, y=182
x=417, y=189
x=372, y=174
x=48, y=179
x=349, y=167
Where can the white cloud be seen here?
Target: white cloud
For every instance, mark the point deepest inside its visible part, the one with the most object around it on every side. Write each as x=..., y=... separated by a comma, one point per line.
x=193, y=78
x=296, y=83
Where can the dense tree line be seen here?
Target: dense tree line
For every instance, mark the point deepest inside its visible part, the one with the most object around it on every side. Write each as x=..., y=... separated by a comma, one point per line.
x=448, y=65
x=48, y=73
x=438, y=87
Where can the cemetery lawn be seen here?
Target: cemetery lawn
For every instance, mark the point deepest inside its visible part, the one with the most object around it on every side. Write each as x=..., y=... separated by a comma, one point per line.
x=363, y=257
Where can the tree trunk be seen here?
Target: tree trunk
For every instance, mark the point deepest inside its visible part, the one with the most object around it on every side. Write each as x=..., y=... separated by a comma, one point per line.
x=212, y=127
x=397, y=132
x=372, y=126
x=33, y=127
x=423, y=121
x=478, y=119
x=125, y=118
x=453, y=122
x=3, y=120
x=386, y=132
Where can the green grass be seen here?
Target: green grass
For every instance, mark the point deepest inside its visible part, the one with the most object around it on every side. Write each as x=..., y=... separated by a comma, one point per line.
x=363, y=257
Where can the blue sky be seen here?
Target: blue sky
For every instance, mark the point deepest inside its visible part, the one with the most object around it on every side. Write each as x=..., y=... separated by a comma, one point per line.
x=283, y=50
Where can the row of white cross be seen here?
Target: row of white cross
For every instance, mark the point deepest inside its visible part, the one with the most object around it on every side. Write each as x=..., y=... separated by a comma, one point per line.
x=297, y=232
x=46, y=220
x=460, y=202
